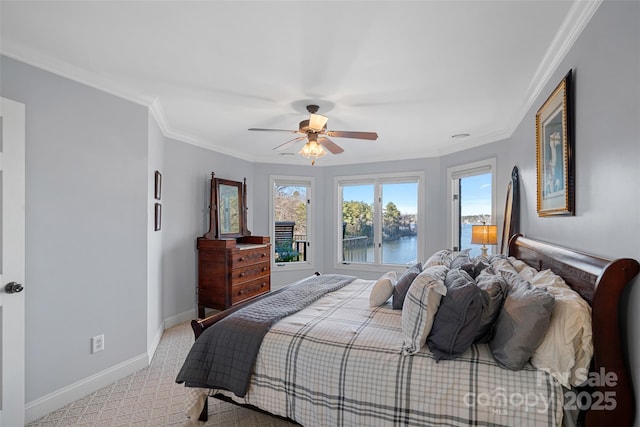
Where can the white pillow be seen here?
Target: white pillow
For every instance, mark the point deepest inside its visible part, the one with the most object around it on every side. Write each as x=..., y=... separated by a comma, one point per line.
x=383, y=289
x=503, y=264
x=525, y=271
x=567, y=348
x=517, y=264
x=420, y=307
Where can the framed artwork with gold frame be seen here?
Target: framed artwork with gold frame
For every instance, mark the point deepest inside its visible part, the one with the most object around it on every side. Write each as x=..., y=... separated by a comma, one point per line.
x=554, y=152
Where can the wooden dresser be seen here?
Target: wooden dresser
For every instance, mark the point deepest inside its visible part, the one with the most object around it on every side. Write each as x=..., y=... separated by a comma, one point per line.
x=231, y=271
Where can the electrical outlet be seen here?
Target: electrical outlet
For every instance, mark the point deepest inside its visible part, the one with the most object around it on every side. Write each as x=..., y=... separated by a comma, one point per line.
x=97, y=343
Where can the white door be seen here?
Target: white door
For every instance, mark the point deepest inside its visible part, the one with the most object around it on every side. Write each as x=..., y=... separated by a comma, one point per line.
x=12, y=270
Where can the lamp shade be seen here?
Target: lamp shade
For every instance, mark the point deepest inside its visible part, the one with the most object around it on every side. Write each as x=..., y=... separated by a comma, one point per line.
x=484, y=234
x=317, y=122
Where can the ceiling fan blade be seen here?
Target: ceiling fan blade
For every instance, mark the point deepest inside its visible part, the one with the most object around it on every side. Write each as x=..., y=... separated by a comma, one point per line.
x=286, y=144
x=330, y=145
x=357, y=135
x=276, y=130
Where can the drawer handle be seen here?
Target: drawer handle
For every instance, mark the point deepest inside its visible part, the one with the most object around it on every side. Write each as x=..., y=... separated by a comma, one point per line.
x=251, y=289
x=264, y=268
x=241, y=259
x=242, y=274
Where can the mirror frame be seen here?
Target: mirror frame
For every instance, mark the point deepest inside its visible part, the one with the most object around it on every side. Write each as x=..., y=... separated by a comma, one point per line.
x=215, y=217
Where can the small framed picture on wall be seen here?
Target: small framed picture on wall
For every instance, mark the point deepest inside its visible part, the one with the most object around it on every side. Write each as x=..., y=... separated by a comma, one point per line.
x=158, y=216
x=158, y=185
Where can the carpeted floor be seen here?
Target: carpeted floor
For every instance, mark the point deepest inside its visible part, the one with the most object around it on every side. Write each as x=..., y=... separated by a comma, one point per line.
x=151, y=397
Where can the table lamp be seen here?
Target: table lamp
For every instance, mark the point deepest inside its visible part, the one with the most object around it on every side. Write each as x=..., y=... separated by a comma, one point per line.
x=484, y=235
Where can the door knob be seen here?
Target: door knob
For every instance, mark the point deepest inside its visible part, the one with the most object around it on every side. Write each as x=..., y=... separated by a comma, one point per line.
x=13, y=287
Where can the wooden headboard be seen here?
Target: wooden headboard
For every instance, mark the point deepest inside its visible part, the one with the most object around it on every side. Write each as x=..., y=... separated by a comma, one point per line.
x=601, y=283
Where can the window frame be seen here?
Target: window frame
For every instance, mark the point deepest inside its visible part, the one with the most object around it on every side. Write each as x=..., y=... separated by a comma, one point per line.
x=309, y=182
x=377, y=181
x=462, y=171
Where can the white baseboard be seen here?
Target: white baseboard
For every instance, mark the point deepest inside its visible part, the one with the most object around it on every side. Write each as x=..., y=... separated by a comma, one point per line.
x=185, y=316
x=53, y=401
x=151, y=349
x=59, y=398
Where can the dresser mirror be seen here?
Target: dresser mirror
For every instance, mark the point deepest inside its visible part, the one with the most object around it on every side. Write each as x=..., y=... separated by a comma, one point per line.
x=228, y=209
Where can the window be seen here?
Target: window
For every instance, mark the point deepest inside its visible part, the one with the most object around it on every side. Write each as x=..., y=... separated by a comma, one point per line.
x=291, y=220
x=472, y=195
x=378, y=219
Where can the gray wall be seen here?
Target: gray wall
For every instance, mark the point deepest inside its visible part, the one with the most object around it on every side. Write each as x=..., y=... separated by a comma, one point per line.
x=86, y=227
x=186, y=197
x=606, y=64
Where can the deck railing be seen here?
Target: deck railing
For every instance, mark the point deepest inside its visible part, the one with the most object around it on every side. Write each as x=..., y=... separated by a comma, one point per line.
x=354, y=249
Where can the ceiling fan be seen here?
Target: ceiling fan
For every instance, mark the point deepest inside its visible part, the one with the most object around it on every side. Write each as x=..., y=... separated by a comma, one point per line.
x=315, y=131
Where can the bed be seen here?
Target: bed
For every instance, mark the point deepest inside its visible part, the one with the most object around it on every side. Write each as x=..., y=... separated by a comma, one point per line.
x=338, y=361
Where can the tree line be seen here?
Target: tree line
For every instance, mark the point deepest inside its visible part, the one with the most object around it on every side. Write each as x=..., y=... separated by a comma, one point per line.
x=357, y=217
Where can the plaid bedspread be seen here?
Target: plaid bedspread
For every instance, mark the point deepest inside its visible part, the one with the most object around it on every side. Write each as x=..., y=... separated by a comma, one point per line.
x=338, y=362
x=225, y=353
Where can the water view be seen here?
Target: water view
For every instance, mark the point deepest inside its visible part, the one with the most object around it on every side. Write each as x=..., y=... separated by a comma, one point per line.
x=403, y=251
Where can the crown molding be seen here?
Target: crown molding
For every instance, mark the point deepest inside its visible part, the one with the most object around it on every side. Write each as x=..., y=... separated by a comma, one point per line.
x=53, y=65
x=96, y=81
x=574, y=23
x=156, y=110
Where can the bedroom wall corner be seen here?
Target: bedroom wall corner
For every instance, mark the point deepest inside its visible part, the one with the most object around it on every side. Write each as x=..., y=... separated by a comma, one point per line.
x=186, y=177
x=155, y=324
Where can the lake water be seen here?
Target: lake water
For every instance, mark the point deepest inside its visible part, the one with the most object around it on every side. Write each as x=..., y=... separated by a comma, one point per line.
x=403, y=251
x=476, y=250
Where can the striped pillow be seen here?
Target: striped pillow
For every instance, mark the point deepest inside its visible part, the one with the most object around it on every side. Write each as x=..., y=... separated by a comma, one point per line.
x=442, y=257
x=420, y=307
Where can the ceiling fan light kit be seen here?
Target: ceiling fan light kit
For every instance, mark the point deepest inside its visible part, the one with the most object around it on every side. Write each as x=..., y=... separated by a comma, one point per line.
x=312, y=150
x=314, y=130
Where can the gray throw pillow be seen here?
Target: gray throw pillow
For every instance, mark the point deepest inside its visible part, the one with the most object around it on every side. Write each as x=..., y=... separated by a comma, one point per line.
x=475, y=267
x=522, y=323
x=402, y=285
x=494, y=290
x=458, y=316
x=460, y=259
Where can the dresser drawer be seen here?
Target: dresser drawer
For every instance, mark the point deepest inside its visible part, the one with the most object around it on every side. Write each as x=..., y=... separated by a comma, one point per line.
x=250, y=256
x=231, y=271
x=250, y=272
x=250, y=289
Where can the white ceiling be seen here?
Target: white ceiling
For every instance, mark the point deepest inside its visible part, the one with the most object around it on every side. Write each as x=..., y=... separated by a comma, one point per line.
x=416, y=72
